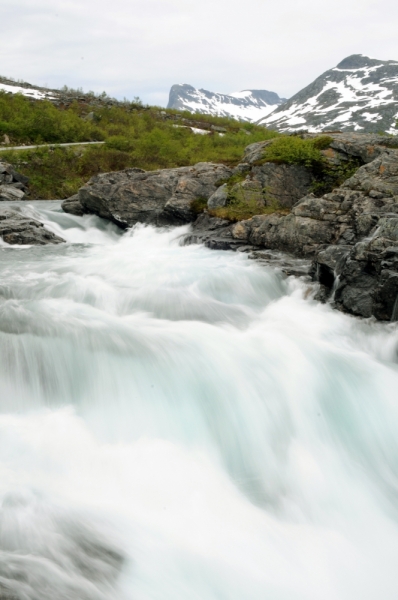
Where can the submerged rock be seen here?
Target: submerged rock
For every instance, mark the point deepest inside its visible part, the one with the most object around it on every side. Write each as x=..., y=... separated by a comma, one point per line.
x=16, y=228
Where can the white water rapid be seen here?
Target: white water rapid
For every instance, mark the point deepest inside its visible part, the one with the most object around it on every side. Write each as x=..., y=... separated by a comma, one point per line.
x=178, y=423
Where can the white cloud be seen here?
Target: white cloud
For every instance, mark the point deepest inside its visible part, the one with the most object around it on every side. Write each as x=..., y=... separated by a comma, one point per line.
x=142, y=47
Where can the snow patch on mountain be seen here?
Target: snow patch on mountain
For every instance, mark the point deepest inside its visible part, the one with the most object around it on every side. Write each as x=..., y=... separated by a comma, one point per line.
x=247, y=105
x=29, y=92
x=360, y=94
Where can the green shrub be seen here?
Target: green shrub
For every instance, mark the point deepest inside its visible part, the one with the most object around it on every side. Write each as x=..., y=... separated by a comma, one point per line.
x=295, y=150
x=239, y=210
x=322, y=142
x=60, y=172
x=199, y=205
x=134, y=135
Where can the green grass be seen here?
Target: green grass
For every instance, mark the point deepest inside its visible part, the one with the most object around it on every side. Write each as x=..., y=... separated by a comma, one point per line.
x=60, y=172
x=149, y=138
x=240, y=211
x=295, y=150
x=134, y=135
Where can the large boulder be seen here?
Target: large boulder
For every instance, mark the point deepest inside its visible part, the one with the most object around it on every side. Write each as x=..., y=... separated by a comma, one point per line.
x=159, y=197
x=378, y=178
x=16, y=228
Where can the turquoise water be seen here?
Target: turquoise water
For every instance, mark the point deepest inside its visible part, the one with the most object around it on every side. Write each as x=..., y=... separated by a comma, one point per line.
x=179, y=423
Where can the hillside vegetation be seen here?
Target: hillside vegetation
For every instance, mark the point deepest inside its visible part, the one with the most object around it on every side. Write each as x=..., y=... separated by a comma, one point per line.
x=134, y=136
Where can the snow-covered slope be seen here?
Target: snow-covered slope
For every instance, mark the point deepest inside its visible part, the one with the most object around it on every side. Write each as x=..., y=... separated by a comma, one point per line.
x=13, y=88
x=360, y=94
x=248, y=105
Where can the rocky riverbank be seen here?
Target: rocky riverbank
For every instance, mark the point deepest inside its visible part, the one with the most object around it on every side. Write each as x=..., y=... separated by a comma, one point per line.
x=350, y=233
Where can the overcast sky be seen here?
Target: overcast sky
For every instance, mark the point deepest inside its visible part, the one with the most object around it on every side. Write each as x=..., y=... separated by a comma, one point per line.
x=142, y=47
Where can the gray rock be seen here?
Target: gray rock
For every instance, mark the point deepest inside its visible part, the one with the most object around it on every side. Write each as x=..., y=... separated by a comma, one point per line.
x=159, y=197
x=15, y=228
x=10, y=193
x=8, y=175
x=378, y=178
x=255, y=152
x=283, y=185
x=213, y=232
x=73, y=206
x=219, y=198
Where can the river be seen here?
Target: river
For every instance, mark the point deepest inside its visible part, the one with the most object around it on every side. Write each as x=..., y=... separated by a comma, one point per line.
x=182, y=423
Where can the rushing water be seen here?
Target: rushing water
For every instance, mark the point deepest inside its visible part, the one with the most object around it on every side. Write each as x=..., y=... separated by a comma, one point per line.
x=179, y=423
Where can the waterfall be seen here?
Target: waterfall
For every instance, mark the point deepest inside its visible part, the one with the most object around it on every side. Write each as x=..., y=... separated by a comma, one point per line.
x=178, y=422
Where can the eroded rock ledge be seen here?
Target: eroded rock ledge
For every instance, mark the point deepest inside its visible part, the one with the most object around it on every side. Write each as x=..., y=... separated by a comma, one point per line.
x=349, y=234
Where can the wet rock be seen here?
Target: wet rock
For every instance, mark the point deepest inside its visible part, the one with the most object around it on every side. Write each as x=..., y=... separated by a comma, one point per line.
x=73, y=206
x=213, y=232
x=15, y=228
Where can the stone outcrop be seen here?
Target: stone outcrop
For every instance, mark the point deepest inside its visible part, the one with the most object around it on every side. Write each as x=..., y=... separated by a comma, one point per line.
x=159, y=197
x=13, y=185
x=16, y=228
x=282, y=185
x=351, y=234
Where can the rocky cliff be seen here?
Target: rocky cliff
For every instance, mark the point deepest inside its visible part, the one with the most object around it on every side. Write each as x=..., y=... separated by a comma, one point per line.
x=360, y=94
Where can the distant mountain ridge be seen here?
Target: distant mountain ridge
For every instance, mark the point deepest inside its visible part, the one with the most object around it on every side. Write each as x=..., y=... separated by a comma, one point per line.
x=247, y=105
x=360, y=94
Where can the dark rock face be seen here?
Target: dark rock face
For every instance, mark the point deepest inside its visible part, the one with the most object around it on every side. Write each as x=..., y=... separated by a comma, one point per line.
x=72, y=205
x=12, y=184
x=282, y=184
x=159, y=197
x=15, y=228
x=368, y=278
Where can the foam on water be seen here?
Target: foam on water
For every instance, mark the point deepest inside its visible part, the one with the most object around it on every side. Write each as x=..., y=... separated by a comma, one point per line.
x=183, y=423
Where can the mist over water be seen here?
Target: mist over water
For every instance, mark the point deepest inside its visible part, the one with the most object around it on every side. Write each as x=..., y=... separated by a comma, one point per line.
x=177, y=422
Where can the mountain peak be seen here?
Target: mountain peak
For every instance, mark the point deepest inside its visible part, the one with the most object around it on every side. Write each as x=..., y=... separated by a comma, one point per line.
x=360, y=94
x=247, y=105
x=358, y=61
